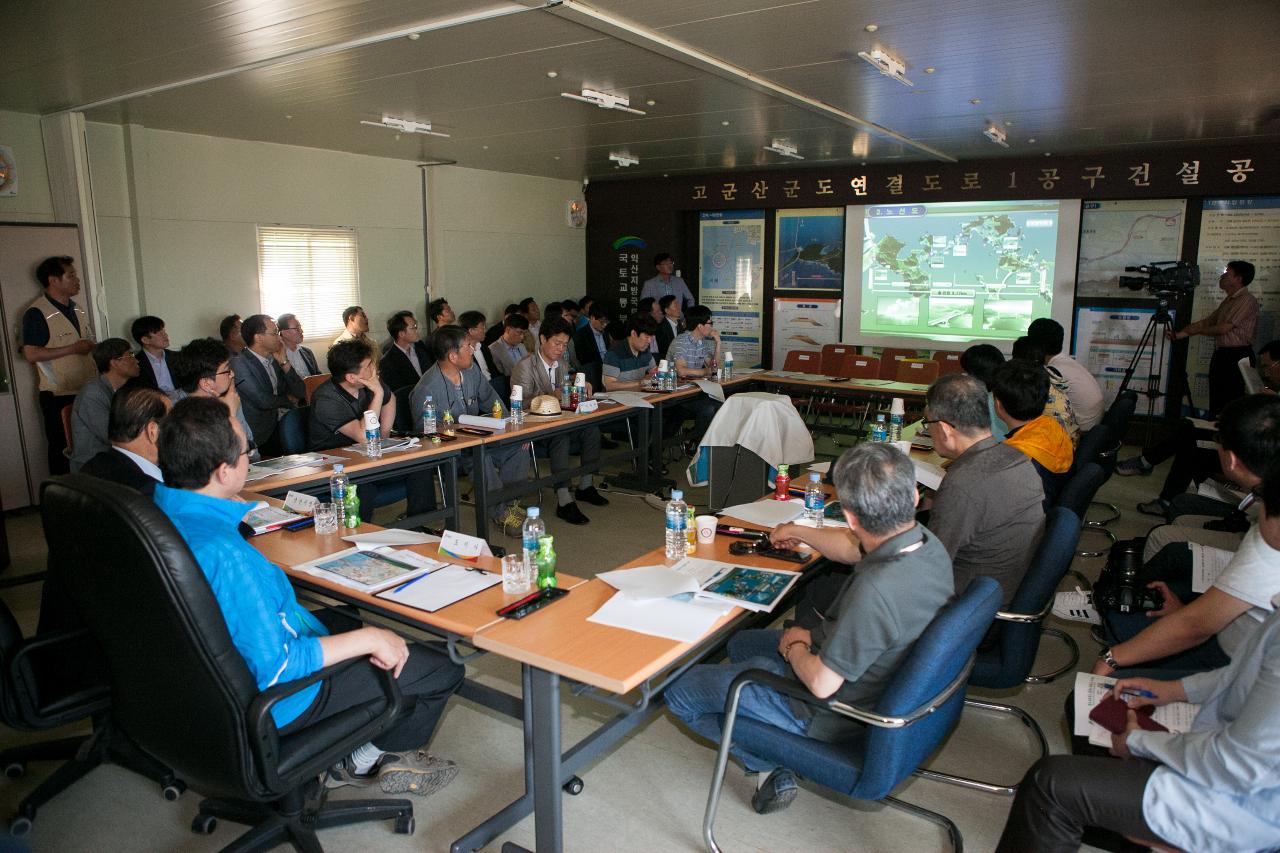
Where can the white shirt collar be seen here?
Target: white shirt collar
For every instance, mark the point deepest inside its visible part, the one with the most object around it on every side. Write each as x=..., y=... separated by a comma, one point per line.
x=148, y=467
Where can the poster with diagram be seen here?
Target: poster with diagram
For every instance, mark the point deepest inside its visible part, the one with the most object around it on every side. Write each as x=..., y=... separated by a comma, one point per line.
x=1129, y=233
x=809, y=249
x=804, y=325
x=731, y=279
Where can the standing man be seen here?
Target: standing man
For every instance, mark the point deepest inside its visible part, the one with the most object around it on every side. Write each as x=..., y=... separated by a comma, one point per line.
x=405, y=360
x=356, y=324
x=302, y=358
x=542, y=373
x=666, y=282
x=55, y=338
x=153, y=358
x=91, y=413
x=1083, y=391
x=266, y=381
x=1233, y=325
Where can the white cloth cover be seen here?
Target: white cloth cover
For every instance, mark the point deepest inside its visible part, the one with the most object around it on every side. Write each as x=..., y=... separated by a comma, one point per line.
x=766, y=424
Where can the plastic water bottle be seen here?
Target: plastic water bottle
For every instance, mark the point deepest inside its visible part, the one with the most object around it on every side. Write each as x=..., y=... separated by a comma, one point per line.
x=896, y=411
x=517, y=410
x=677, y=519
x=815, y=500
x=338, y=483
x=566, y=389
x=372, y=435
x=429, y=416
x=880, y=432
x=727, y=358
x=534, y=528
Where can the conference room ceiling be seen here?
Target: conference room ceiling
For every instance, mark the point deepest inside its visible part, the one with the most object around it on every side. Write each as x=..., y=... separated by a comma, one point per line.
x=1073, y=77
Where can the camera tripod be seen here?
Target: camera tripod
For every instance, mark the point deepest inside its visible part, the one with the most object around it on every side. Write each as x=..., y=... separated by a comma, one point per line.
x=1153, y=343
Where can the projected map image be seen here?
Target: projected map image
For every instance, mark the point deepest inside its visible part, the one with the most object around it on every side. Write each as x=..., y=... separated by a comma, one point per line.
x=810, y=249
x=981, y=269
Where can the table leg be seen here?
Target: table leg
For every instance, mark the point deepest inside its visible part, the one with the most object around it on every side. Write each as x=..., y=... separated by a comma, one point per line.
x=479, y=491
x=450, y=495
x=547, y=805
x=642, y=427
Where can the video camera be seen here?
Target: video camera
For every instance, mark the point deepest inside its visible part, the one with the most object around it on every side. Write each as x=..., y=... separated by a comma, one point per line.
x=1163, y=277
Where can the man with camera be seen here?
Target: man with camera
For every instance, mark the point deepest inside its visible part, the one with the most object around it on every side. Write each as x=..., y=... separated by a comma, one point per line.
x=1233, y=325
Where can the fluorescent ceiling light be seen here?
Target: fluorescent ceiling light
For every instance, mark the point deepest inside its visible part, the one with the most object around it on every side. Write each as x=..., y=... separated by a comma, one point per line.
x=887, y=64
x=785, y=148
x=623, y=159
x=404, y=125
x=604, y=100
x=996, y=135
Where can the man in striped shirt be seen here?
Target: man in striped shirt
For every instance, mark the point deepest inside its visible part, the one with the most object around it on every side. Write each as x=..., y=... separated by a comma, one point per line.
x=1233, y=325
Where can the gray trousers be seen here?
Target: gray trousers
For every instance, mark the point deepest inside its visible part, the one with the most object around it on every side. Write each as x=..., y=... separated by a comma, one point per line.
x=559, y=446
x=506, y=465
x=1063, y=794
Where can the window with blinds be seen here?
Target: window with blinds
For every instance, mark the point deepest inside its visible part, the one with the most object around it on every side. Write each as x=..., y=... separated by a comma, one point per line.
x=310, y=272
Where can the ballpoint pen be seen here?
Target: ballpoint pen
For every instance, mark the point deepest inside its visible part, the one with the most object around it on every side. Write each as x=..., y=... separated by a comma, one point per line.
x=410, y=583
x=1137, y=691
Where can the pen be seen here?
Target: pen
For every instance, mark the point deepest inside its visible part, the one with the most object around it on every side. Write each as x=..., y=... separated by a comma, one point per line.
x=1136, y=691
x=301, y=524
x=408, y=584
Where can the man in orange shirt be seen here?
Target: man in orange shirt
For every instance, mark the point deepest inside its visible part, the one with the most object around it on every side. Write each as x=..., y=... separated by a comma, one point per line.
x=1020, y=389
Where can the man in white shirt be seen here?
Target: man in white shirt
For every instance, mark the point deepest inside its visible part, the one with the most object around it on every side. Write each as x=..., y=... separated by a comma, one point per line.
x=473, y=324
x=1083, y=391
x=133, y=429
x=356, y=328
x=302, y=358
x=153, y=358
x=667, y=283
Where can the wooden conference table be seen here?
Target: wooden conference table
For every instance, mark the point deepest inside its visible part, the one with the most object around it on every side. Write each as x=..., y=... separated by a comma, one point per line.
x=557, y=642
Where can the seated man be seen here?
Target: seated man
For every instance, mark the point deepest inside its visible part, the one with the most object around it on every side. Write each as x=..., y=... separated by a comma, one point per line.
x=980, y=361
x=204, y=459
x=1212, y=788
x=133, y=429
x=672, y=323
x=456, y=385
x=301, y=357
x=229, y=332
x=356, y=328
x=900, y=585
x=590, y=343
x=495, y=331
x=1083, y=389
x=1020, y=389
x=1058, y=404
x=266, y=382
x=472, y=325
x=153, y=357
x=337, y=419
x=628, y=364
x=694, y=354
x=509, y=350
x=542, y=373
x=91, y=411
x=440, y=313
x=203, y=369
x=407, y=357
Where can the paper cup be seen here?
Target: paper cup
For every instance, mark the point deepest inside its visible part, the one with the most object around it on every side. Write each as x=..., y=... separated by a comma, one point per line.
x=706, y=527
x=897, y=407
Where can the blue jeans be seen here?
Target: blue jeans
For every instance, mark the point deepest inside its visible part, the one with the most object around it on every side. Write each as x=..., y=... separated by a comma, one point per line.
x=698, y=696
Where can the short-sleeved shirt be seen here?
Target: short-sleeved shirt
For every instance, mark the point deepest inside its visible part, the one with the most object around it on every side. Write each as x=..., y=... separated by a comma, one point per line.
x=673, y=286
x=1240, y=310
x=35, y=329
x=694, y=353
x=988, y=514
x=1253, y=576
x=622, y=365
x=332, y=408
x=884, y=607
x=1083, y=390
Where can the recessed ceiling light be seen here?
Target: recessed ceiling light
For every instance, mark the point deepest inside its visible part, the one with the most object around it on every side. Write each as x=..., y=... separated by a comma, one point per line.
x=871, y=28
x=930, y=70
x=289, y=117
x=650, y=103
x=414, y=36
x=553, y=74
x=975, y=101
x=557, y=157
x=485, y=147
x=1032, y=139
x=724, y=123
x=665, y=175
x=1008, y=124
x=1048, y=153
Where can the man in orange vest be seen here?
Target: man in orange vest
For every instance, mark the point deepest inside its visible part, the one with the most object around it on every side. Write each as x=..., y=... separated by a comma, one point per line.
x=56, y=339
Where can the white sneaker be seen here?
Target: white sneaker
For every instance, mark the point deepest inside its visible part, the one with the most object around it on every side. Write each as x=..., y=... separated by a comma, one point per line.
x=1076, y=606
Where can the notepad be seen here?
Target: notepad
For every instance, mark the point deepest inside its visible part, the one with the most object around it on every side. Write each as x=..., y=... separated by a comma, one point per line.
x=669, y=618
x=369, y=570
x=442, y=587
x=928, y=475
x=1206, y=564
x=1091, y=689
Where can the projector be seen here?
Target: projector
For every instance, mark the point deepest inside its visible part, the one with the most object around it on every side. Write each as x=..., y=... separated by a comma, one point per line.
x=623, y=159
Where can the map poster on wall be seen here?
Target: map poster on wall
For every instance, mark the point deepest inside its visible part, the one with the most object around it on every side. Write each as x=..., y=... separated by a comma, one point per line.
x=804, y=324
x=1119, y=234
x=731, y=279
x=1235, y=229
x=809, y=250
x=1105, y=340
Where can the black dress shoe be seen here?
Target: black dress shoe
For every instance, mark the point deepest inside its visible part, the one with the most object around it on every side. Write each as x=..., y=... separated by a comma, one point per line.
x=591, y=496
x=607, y=443
x=570, y=513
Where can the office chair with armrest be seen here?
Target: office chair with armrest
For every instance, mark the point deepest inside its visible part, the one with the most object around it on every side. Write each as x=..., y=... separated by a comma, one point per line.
x=913, y=717
x=293, y=431
x=1116, y=420
x=1078, y=494
x=311, y=383
x=1007, y=661
x=196, y=706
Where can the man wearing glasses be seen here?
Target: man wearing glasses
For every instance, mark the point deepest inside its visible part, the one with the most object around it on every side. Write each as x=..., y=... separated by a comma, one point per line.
x=666, y=282
x=1233, y=325
x=267, y=383
x=695, y=353
x=91, y=412
x=404, y=362
x=302, y=358
x=203, y=369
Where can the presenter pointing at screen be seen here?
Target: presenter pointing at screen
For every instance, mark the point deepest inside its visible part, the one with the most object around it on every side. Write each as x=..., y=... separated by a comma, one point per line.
x=1233, y=325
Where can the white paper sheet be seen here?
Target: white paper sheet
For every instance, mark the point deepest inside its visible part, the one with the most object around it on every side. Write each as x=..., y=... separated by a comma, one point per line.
x=1206, y=564
x=1217, y=491
x=1092, y=689
x=767, y=513
x=442, y=587
x=1252, y=381
x=700, y=570
x=682, y=621
x=820, y=467
x=647, y=582
x=712, y=389
x=928, y=474
x=379, y=538
x=629, y=398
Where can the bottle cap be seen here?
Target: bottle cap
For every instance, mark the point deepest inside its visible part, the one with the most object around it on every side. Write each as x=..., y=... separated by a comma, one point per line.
x=371, y=420
x=533, y=511
x=677, y=495
x=517, y=392
x=815, y=477
x=337, y=468
x=783, y=468
x=896, y=407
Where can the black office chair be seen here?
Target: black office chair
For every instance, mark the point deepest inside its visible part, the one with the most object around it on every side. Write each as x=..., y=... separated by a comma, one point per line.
x=406, y=419
x=293, y=431
x=182, y=691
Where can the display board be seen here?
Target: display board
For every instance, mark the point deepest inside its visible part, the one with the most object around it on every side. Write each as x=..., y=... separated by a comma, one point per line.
x=1243, y=229
x=802, y=324
x=1130, y=233
x=809, y=249
x=958, y=272
x=1105, y=340
x=731, y=279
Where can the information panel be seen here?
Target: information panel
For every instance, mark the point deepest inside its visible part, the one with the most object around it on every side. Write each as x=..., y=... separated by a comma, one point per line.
x=1105, y=340
x=731, y=279
x=803, y=325
x=809, y=253
x=1119, y=234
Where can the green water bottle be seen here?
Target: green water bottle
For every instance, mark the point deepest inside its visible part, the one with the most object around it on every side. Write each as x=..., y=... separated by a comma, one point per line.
x=351, y=501
x=546, y=562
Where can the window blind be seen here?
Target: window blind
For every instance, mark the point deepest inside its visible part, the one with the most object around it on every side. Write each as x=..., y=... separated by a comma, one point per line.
x=310, y=272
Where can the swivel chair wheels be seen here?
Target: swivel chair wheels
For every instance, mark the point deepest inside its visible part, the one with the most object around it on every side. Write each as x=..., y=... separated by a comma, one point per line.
x=173, y=790
x=574, y=786
x=15, y=769
x=204, y=824
x=405, y=825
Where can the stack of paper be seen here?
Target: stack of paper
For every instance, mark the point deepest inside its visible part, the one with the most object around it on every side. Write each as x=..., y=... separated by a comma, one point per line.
x=929, y=475
x=767, y=513
x=1206, y=564
x=1092, y=689
x=441, y=588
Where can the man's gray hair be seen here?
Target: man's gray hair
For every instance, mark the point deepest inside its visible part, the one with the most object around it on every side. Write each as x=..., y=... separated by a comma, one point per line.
x=877, y=483
x=961, y=401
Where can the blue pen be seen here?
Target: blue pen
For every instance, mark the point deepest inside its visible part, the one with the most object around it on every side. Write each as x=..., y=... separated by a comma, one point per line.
x=408, y=584
x=1136, y=691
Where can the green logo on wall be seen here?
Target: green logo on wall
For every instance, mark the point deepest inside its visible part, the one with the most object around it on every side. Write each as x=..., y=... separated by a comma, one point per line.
x=630, y=240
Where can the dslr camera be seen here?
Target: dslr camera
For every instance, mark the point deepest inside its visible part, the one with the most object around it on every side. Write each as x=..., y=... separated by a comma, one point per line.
x=1118, y=587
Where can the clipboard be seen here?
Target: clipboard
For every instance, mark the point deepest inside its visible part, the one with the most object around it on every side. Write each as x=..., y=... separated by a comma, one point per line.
x=441, y=588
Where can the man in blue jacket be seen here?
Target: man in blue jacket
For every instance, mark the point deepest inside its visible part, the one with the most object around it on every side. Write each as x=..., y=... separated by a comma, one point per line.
x=204, y=459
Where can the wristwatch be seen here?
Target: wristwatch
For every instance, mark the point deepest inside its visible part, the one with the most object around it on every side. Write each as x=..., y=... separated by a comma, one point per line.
x=1105, y=657
x=787, y=652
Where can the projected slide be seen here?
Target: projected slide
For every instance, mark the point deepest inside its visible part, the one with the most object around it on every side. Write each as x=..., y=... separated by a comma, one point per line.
x=960, y=271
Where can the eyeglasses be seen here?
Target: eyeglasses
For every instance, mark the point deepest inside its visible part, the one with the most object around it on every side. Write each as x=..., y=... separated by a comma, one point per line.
x=927, y=421
x=227, y=372
x=275, y=334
